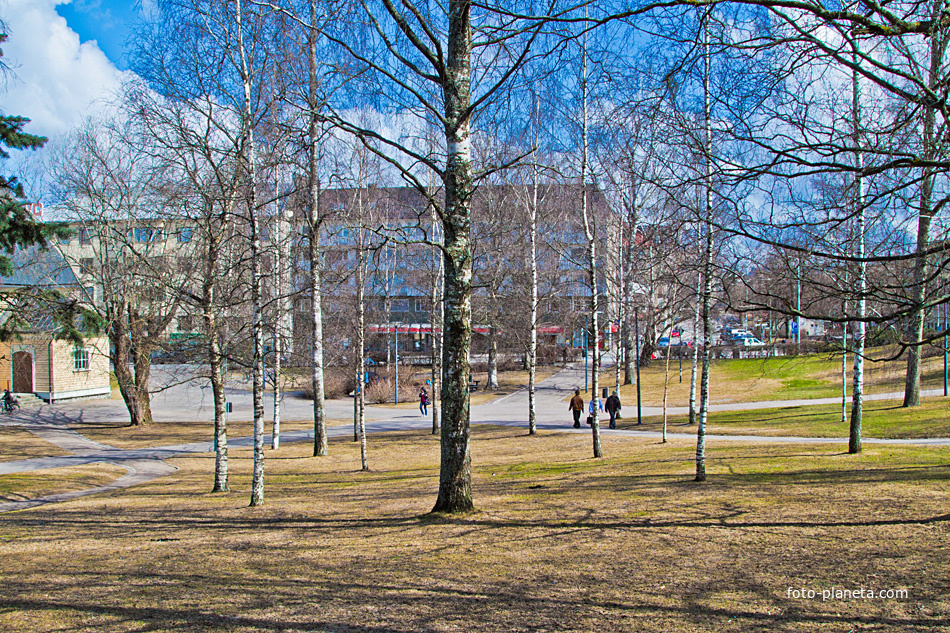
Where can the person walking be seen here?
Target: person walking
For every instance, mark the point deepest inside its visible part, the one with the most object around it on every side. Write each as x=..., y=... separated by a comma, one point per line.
x=613, y=408
x=594, y=402
x=423, y=401
x=575, y=407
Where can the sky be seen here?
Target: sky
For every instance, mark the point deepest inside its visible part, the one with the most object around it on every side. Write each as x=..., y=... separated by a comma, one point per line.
x=66, y=57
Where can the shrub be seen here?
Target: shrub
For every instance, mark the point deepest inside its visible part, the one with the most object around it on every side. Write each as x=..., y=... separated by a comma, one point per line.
x=380, y=391
x=337, y=383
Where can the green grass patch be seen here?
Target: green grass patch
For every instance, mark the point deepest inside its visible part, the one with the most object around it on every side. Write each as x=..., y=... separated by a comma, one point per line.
x=881, y=419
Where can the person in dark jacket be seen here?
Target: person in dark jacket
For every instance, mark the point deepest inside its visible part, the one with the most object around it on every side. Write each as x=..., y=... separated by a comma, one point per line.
x=575, y=407
x=612, y=405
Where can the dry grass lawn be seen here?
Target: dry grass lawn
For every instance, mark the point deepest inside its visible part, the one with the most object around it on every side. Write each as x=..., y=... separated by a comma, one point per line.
x=40, y=483
x=121, y=435
x=16, y=444
x=560, y=542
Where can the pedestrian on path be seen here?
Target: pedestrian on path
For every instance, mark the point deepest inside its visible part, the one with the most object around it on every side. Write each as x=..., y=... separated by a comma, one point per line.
x=613, y=408
x=575, y=407
x=423, y=401
x=594, y=402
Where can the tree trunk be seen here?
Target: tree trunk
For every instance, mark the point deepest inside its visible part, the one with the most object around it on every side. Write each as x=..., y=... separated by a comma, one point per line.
x=915, y=328
x=360, y=398
x=617, y=341
x=118, y=332
x=692, y=371
x=844, y=369
x=707, y=263
x=435, y=337
x=320, y=446
x=257, y=317
x=142, y=364
x=215, y=356
x=533, y=340
x=282, y=308
x=590, y=233
x=455, y=476
x=629, y=344
x=492, y=358
x=860, y=327
x=220, y=414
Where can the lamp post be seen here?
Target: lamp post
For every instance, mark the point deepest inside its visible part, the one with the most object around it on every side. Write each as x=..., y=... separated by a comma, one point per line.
x=946, y=374
x=636, y=339
x=586, y=362
x=396, y=381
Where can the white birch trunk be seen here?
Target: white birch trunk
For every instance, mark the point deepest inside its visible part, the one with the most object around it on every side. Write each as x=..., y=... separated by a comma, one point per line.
x=533, y=250
x=492, y=357
x=590, y=229
x=695, y=359
x=320, y=445
x=629, y=352
x=620, y=303
x=215, y=360
x=257, y=480
x=707, y=264
x=435, y=337
x=360, y=398
x=857, y=397
x=280, y=292
x=844, y=368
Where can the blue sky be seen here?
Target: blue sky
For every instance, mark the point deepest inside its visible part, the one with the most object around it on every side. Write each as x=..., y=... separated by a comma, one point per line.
x=66, y=60
x=105, y=21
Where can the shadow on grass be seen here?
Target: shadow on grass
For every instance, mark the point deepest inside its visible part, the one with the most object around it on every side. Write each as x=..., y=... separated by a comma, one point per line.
x=491, y=606
x=156, y=521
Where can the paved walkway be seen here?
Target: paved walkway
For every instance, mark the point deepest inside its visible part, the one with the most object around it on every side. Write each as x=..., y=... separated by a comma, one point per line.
x=184, y=398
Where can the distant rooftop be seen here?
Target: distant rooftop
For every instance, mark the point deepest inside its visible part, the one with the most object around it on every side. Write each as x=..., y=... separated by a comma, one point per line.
x=37, y=266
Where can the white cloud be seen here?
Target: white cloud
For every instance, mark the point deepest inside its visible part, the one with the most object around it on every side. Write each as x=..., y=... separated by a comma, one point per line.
x=58, y=80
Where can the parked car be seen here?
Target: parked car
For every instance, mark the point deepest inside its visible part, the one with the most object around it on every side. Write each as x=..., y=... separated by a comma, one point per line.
x=749, y=341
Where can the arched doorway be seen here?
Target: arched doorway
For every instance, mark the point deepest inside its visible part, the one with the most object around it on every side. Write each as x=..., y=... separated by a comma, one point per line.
x=22, y=372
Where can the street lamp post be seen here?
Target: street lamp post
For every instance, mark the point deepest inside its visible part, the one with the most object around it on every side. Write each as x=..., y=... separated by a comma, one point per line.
x=946, y=375
x=396, y=381
x=636, y=338
x=586, y=362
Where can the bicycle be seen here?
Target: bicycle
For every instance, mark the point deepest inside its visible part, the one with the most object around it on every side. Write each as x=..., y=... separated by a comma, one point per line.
x=9, y=406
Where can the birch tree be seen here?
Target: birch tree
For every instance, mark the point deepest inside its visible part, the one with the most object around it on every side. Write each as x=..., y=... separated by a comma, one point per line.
x=424, y=57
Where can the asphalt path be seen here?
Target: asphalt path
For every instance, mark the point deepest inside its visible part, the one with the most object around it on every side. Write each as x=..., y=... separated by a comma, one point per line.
x=182, y=396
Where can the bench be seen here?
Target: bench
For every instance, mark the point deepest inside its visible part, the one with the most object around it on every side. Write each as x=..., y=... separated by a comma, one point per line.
x=473, y=386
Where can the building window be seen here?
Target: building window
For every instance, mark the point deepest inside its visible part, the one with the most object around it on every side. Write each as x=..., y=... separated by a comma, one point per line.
x=185, y=234
x=80, y=359
x=400, y=305
x=145, y=234
x=88, y=265
x=84, y=236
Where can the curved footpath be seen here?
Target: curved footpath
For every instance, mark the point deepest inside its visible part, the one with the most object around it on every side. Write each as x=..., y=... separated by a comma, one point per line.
x=144, y=464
